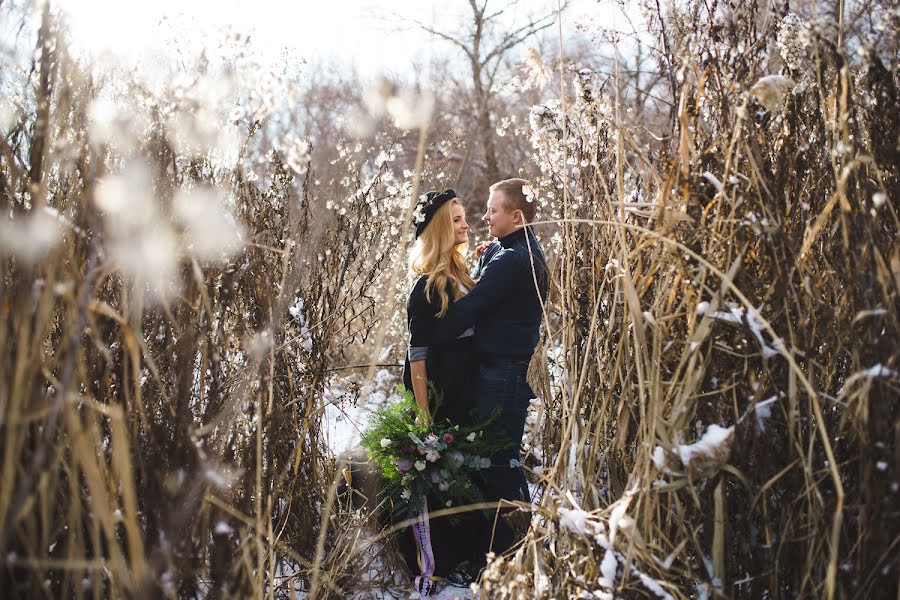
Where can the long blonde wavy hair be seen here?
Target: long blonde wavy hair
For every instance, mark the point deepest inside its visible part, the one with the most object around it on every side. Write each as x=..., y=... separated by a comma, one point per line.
x=437, y=256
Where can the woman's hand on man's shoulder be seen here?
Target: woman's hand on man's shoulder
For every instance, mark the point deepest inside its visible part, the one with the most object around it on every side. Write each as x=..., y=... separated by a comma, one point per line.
x=480, y=248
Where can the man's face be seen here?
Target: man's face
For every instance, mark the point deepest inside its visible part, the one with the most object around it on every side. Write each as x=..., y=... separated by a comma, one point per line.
x=500, y=222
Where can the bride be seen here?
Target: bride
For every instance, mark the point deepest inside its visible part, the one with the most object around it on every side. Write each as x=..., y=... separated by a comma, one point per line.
x=438, y=259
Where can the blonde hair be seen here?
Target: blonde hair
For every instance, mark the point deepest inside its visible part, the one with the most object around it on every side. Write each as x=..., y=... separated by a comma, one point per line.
x=437, y=256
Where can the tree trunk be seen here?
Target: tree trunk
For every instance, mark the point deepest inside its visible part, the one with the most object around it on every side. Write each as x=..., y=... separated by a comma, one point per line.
x=41, y=122
x=485, y=127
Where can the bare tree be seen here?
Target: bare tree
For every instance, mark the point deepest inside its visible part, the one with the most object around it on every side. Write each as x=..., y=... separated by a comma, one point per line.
x=492, y=32
x=46, y=48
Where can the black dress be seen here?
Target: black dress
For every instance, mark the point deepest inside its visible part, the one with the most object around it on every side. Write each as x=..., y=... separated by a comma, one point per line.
x=452, y=369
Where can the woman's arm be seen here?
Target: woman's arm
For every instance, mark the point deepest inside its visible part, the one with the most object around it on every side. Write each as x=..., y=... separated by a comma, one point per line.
x=497, y=284
x=420, y=386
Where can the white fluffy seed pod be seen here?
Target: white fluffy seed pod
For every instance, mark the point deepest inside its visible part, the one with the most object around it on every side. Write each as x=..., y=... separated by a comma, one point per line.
x=770, y=91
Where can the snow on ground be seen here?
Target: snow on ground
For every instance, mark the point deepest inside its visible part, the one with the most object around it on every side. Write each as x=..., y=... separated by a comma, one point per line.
x=344, y=422
x=348, y=404
x=452, y=593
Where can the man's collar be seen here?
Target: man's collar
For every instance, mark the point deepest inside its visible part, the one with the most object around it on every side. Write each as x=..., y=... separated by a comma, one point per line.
x=508, y=240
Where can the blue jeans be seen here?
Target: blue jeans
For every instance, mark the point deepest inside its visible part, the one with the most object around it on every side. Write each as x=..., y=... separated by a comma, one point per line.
x=501, y=382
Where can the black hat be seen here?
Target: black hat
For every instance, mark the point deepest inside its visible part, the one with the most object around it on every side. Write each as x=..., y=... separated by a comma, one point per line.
x=427, y=206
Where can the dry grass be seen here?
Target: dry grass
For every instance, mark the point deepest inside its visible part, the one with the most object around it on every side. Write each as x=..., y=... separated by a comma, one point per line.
x=162, y=435
x=739, y=268
x=744, y=271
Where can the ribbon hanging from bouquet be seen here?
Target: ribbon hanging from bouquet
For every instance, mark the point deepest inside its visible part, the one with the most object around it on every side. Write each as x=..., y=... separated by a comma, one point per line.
x=422, y=533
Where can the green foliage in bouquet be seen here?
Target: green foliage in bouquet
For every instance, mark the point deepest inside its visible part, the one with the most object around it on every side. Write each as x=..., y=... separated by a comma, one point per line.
x=418, y=459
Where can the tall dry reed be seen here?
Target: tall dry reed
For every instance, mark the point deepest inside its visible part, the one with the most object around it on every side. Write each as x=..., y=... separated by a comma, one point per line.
x=175, y=284
x=740, y=269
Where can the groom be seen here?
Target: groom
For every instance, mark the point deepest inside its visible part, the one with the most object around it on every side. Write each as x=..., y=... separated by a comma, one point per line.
x=505, y=306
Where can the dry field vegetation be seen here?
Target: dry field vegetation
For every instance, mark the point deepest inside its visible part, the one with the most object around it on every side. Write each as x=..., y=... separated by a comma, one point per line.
x=718, y=375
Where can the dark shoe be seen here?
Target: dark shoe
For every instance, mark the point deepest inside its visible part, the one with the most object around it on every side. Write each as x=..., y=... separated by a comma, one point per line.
x=464, y=574
x=435, y=586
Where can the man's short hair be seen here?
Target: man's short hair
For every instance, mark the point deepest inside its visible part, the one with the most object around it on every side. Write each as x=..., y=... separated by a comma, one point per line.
x=515, y=198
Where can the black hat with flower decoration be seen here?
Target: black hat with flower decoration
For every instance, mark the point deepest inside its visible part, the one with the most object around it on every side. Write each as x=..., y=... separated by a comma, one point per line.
x=427, y=206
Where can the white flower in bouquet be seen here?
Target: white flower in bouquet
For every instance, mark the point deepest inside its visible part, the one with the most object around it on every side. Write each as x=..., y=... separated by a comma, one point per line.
x=443, y=486
x=432, y=455
x=406, y=494
x=431, y=439
x=471, y=437
x=420, y=465
x=485, y=462
x=385, y=442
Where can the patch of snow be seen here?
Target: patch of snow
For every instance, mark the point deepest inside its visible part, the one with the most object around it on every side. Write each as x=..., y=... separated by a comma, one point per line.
x=344, y=426
x=652, y=585
x=711, y=441
x=617, y=516
x=713, y=180
x=709, y=452
x=344, y=420
x=659, y=459
x=879, y=371
x=763, y=411
x=608, y=569
x=702, y=590
x=296, y=311
x=222, y=528
x=579, y=521
x=736, y=315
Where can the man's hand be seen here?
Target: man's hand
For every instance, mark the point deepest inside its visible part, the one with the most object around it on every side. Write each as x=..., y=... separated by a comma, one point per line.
x=479, y=250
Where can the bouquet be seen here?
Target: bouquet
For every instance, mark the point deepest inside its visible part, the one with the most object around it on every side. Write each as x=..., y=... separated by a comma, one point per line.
x=420, y=459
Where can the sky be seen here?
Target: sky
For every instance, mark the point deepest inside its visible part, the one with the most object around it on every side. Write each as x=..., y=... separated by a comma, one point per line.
x=372, y=36
x=309, y=29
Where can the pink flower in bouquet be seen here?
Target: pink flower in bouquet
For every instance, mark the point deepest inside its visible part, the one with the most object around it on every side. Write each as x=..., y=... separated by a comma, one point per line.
x=404, y=465
x=409, y=449
x=448, y=438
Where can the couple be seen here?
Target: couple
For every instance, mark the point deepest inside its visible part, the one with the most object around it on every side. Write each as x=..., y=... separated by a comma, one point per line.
x=473, y=341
